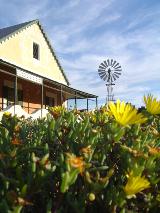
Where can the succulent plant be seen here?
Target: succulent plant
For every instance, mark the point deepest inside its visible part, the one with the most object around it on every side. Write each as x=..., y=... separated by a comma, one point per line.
x=105, y=160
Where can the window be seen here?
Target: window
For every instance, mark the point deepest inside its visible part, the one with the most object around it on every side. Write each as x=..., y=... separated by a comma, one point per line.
x=8, y=96
x=50, y=99
x=36, y=51
x=49, y=102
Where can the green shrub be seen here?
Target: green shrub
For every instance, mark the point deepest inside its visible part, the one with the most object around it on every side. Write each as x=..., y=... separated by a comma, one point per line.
x=107, y=160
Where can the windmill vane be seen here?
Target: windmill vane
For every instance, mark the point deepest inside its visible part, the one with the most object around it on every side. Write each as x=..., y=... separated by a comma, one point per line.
x=109, y=70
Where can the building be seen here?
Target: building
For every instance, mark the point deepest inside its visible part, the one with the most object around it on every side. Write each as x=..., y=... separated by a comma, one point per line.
x=30, y=72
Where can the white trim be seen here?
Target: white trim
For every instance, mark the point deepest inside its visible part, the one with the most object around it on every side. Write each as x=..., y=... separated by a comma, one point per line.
x=33, y=71
x=29, y=76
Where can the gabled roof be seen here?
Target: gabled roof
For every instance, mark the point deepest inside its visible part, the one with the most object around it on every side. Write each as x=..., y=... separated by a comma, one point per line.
x=12, y=30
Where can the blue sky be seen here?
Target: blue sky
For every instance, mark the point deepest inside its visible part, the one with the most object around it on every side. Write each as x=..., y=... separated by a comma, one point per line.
x=86, y=32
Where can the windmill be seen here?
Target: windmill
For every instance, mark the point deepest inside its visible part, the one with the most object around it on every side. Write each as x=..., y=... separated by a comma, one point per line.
x=109, y=70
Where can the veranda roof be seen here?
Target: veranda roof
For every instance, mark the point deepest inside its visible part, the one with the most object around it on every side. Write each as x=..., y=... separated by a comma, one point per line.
x=69, y=91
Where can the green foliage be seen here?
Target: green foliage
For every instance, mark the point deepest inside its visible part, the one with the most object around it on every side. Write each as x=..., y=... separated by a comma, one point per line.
x=78, y=162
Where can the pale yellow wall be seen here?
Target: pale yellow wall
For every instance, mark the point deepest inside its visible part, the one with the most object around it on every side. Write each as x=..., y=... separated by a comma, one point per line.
x=18, y=49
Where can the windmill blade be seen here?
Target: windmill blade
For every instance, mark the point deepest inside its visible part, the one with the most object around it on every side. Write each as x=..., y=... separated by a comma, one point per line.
x=105, y=63
x=102, y=67
x=113, y=63
x=116, y=65
x=118, y=73
x=119, y=70
x=108, y=62
x=114, y=77
x=101, y=71
x=117, y=76
x=102, y=76
x=105, y=78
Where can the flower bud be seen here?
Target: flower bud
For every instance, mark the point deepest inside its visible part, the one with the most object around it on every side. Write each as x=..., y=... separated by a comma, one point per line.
x=92, y=197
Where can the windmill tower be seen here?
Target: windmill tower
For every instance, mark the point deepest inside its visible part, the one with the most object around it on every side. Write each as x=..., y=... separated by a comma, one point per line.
x=109, y=71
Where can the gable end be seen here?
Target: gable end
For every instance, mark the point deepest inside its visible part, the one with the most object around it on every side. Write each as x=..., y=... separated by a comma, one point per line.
x=8, y=32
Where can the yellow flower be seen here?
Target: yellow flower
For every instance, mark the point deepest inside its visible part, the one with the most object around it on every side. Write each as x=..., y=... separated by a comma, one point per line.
x=104, y=110
x=16, y=141
x=154, y=150
x=92, y=197
x=86, y=150
x=152, y=105
x=56, y=111
x=135, y=184
x=7, y=114
x=23, y=202
x=17, y=128
x=125, y=114
x=76, y=162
